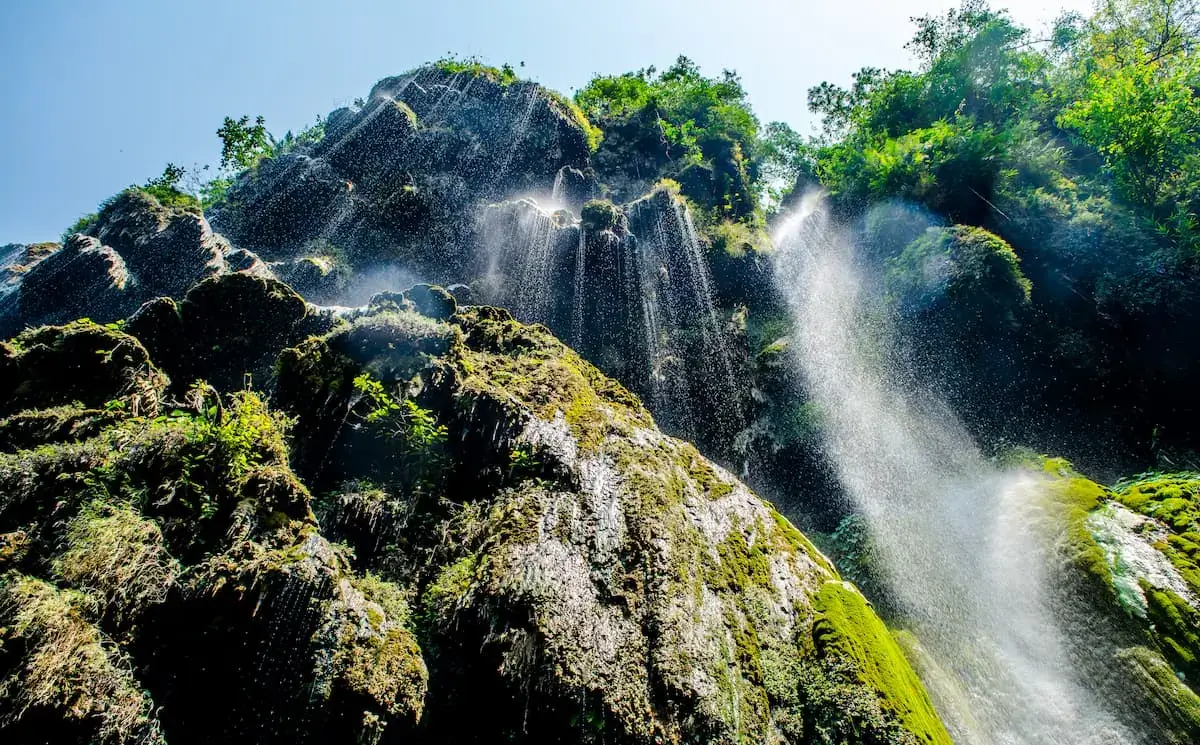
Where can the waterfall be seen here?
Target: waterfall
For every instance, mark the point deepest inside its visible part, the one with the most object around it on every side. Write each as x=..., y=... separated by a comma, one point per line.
x=962, y=546
x=634, y=297
x=690, y=376
x=526, y=249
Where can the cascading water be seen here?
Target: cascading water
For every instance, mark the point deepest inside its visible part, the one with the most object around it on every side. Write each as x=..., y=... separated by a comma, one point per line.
x=526, y=248
x=687, y=355
x=631, y=291
x=963, y=553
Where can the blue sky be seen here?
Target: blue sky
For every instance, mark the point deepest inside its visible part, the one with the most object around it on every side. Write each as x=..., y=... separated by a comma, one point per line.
x=99, y=95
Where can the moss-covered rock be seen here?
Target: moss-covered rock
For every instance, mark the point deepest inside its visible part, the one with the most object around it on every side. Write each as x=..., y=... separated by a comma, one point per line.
x=228, y=330
x=81, y=364
x=599, y=215
x=503, y=544
x=576, y=554
x=1129, y=592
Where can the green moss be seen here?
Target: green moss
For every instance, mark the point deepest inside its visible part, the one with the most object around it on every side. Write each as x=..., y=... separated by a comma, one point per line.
x=595, y=135
x=739, y=565
x=388, y=669
x=1174, y=501
x=1174, y=700
x=448, y=592
x=386, y=595
x=68, y=667
x=1075, y=497
x=788, y=535
x=973, y=270
x=848, y=628
x=598, y=214
x=529, y=368
x=1176, y=627
x=28, y=429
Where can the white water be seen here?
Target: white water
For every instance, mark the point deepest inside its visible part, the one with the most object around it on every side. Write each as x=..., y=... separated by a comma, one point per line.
x=670, y=276
x=962, y=546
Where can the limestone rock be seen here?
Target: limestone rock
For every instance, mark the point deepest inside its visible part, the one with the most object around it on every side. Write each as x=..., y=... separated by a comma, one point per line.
x=99, y=282
x=167, y=249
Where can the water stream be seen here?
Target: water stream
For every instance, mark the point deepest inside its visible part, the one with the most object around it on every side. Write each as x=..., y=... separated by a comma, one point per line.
x=962, y=545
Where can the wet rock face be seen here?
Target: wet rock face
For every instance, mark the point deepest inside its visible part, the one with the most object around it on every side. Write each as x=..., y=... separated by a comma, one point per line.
x=166, y=250
x=226, y=331
x=490, y=538
x=398, y=178
x=1128, y=593
x=573, y=187
x=136, y=250
x=99, y=282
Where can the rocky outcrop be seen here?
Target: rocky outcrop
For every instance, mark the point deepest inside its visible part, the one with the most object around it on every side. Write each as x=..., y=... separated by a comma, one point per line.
x=226, y=331
x=483, y=537
x=136, y=250
x=82, y=279
x=398, y=178
x=167, y=250
x=1129, y=588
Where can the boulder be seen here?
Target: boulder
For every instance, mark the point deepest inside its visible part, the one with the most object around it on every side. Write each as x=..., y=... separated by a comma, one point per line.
x=431, y=301
x=226, y=331
x=573, y=186
x=321, y=278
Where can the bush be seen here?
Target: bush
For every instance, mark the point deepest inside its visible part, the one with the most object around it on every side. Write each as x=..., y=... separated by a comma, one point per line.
x=965, y=270
x=662, y=124
x=599, y=215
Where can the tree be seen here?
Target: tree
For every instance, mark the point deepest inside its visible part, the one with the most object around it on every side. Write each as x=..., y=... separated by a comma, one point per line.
x=243, y=144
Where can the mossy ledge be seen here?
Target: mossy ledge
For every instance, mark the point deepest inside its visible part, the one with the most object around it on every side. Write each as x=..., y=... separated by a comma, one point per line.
x=444, y=526
x=1130, y=552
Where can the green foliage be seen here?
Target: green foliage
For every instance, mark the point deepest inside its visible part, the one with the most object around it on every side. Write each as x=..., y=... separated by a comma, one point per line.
x=243, y=144
x=681, y=124
x=215, y=192
x=419, y=440
x=166, y=189
x=473, y=66
x=787, y=157
x=306, y=138
x=1142, y=114
x=82, y=225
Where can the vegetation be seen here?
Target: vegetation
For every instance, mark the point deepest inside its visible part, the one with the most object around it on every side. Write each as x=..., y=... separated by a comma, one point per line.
x=474, y=67
x=243, y=144
x=847, y=624
x=166, y=189
x=1077, y=150
x=695, y=129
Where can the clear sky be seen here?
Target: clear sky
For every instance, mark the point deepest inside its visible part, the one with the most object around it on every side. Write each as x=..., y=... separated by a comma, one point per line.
x=99, y=95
